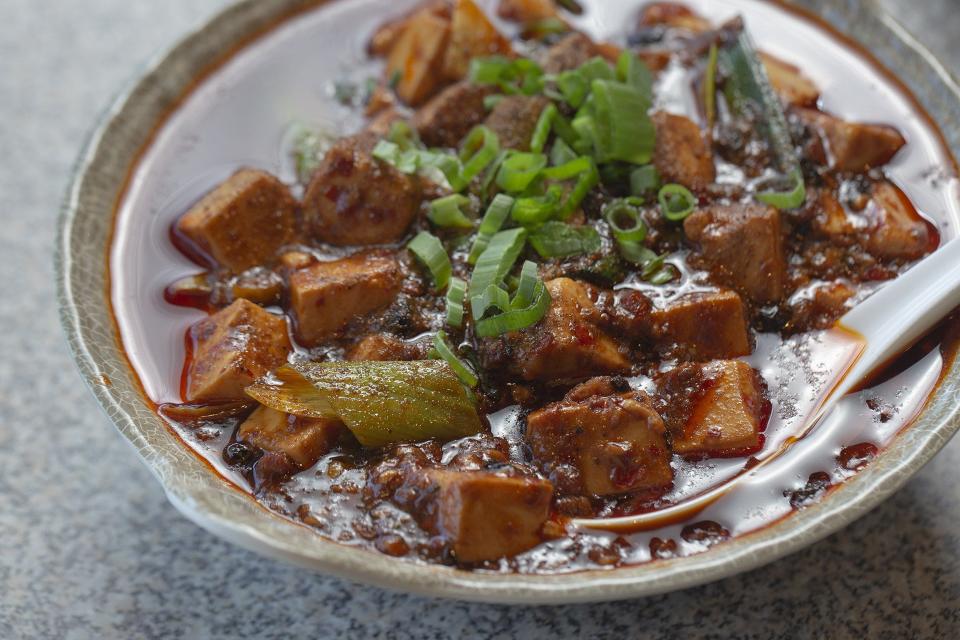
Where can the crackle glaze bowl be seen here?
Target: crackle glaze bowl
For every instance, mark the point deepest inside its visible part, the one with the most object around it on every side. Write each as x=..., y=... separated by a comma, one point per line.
x=86, y=231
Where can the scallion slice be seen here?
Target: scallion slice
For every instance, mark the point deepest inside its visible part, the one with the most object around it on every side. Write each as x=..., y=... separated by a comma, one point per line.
x=448, y=212
x=456, y=292
x=517, y=319
x=787, y=199
x=387, y=151
x=710, y=87
x=624, y=130
x=632, y=71
x=556, y=239
x=626, y=223
x=480, y=148
x=587, y=180
x=492, y=221
x=429, y=250
x=543, y=128
x=561, y=153
x=644, y=179
x=463, y=371
x=493, y=298
x=535, y=210
x=527, y=288
x=494, y=264
x=676, y=202
x=519, y=170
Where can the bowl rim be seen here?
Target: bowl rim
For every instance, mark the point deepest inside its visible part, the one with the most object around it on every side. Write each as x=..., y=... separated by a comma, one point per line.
x=216, y=505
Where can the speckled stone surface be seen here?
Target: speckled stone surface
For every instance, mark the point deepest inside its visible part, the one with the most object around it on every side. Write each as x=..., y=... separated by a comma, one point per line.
x=89, y=547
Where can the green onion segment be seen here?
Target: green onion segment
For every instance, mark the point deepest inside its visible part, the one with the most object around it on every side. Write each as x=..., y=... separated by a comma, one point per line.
x=497, y=213
x=381, y=403
x=676, y=202
x=460, y=368
x=456, y=293
x=493, y=265
x=430, y=252
x=448, y=212
x=556, y=239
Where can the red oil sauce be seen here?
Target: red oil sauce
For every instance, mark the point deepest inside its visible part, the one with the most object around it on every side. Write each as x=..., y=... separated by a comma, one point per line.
x=241, y=116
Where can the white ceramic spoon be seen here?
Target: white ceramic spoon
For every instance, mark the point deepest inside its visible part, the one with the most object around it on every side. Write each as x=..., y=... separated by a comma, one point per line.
x=889, y=322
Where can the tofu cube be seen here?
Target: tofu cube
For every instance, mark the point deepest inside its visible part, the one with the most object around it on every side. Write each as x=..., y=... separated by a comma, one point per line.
x=326, y=296
x=616, y=443
x=729, y=418
x=742, y=246
x=243, y=222
x=703, y=326
x=418, y=56
x=567, y=342
x=791, y=85
x=897, y=232
x=681, y=154
x=485, y=516
x=854, y=146
x=304, y=440
x=233, y=348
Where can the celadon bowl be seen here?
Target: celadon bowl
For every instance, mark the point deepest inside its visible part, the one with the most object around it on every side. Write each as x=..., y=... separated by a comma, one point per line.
x=204, y=497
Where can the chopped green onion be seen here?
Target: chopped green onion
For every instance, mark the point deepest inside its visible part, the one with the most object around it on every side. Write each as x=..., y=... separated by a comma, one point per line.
x=519, y=170
x=527, y=288
x=747, y=89
x=676, y=202
x=632, y=71
x=447, y=212
x=517, y=319
x=626, y=223
x=387, y=151
x=488, y=70
x=429, y=250
x=586, y=181
x=539, y=29
x=403, y=135
x=542, y=130
x=534, y=210
x=788, y=199
x=456, y=292
x=492, y=298
x=710, y=87
x=492, y=221
x=569, y=170
x=381, y=403
x=574, y=87
x=561, y=153
x=466, y=375
x=556, y=239
x=624, y=130
x=644, y=179
x=494, y=264
x=596, y=68
x=480, y=148
x=521, y=75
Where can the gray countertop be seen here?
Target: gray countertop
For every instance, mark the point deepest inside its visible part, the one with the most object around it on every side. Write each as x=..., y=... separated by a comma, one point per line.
x=89, y=547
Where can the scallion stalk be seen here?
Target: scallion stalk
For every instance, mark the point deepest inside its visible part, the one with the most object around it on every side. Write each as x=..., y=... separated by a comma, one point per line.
x=492, y=221
x=460, y=368
x=456, y=293
x=430, y=252
x=448, y=212
x=676, y=202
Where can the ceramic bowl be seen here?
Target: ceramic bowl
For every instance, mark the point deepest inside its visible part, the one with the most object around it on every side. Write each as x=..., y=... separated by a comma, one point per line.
x=207, y=499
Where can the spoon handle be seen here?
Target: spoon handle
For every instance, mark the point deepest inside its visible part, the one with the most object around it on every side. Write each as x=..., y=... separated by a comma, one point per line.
x=894, y=317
